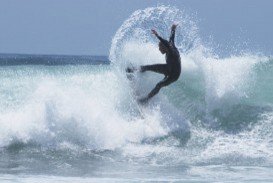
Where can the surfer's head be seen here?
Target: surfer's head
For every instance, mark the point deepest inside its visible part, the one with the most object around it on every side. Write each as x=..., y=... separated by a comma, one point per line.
x=162, y=48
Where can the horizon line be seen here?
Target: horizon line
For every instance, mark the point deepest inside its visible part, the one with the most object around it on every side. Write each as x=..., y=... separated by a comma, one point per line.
x=48, y=54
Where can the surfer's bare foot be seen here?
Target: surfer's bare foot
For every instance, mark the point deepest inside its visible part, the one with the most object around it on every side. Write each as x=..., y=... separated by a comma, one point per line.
x=130, y=69
x=143, y=100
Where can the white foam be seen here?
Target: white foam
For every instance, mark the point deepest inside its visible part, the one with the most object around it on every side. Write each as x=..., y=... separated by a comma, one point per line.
x=97, y=109
x=84, y=110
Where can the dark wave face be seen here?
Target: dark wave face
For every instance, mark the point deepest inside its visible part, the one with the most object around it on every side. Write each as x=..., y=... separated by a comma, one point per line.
x=213, y=124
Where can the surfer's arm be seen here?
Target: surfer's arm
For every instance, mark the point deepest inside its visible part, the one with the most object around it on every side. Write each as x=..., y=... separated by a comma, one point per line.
x=164, y=41
x=172, y=33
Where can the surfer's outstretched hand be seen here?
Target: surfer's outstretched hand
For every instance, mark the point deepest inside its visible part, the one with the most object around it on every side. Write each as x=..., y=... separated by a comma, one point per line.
x=154, y=32
x=174, y=26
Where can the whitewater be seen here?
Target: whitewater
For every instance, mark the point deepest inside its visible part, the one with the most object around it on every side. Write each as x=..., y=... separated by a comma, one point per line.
x=81, y=123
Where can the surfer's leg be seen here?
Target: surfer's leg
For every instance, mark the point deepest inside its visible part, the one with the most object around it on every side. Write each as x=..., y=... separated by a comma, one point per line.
x=158, y=68
x=166, y=81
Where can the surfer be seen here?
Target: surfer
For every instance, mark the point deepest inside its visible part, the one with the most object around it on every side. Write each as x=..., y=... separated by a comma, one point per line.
x=171, y=69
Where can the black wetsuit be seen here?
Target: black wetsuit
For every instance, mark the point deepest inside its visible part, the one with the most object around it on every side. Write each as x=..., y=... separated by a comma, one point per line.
x=171, y=69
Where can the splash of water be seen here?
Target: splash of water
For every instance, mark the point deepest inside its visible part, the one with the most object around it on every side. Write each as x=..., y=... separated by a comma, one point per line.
x=94, y=107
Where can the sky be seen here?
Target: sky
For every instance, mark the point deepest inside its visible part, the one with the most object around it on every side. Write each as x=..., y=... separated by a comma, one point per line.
x=86, y=27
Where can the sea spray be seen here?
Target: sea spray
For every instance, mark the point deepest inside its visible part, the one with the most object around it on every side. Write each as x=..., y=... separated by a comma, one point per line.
x=81, y=120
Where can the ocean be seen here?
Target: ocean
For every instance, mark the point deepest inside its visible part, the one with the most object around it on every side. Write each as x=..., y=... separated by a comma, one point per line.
x=76, y=118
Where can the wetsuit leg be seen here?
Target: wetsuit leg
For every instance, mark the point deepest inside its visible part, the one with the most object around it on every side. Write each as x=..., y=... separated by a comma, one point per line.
x=158, y=68
x=166, y=81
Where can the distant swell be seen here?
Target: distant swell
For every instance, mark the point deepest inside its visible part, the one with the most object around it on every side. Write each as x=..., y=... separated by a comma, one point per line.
x=28, y=59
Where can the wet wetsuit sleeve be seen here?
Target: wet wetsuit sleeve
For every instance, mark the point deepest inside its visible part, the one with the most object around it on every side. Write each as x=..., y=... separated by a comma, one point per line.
x=164, y=41
x=172, y=36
